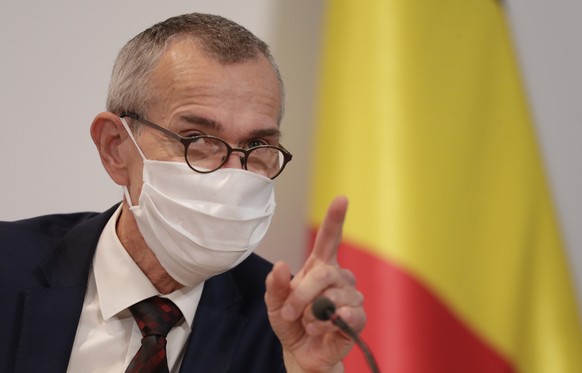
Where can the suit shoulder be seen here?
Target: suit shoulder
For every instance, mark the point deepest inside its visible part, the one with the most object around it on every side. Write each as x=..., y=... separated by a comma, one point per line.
x=55, y=225
x=28, y=241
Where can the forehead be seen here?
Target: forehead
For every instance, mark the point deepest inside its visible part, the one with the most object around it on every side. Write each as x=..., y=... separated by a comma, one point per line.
x=186, y=75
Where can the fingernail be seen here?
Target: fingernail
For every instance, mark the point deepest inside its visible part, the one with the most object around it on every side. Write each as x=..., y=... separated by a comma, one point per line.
x=347, y=315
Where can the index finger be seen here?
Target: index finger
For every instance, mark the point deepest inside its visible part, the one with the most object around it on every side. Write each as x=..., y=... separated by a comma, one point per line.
x=329, y=235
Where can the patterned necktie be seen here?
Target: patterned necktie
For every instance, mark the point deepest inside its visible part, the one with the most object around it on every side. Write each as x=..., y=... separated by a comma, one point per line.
x=155, y=318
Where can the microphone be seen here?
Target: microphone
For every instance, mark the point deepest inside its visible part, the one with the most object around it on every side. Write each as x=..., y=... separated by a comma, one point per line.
x=323, y=309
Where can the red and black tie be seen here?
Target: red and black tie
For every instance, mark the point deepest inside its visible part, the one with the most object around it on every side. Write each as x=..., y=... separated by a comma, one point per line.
x=155, y=317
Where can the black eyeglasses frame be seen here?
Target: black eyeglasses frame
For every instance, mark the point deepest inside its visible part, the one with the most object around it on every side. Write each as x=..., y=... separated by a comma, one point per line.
x=186, y=141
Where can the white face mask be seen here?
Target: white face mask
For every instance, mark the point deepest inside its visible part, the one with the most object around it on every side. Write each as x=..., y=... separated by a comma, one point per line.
x=200, y=225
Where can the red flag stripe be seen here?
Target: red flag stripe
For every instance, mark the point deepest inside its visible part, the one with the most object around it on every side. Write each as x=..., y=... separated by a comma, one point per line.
x=409, y=329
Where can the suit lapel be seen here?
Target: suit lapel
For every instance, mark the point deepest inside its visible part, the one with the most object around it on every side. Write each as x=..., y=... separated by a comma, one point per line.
x=217, y=327
x=51, y=314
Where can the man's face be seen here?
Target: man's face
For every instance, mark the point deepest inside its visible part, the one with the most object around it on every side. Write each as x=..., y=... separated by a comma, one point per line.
x=194, y=94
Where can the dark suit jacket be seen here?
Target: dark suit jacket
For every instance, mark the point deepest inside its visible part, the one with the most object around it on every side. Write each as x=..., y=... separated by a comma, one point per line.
x=44, y=267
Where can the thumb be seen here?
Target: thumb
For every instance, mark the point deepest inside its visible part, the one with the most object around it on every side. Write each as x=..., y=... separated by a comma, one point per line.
x=278, y=287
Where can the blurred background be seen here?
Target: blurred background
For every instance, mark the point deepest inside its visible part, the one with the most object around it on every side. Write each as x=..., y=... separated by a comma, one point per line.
x=56, y=62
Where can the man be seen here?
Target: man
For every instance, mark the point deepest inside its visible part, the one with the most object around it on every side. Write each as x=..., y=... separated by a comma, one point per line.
x=192, y=135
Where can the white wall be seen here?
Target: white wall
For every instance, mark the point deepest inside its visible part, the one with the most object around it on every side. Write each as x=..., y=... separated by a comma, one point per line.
x=547, y=36
x=57, y=56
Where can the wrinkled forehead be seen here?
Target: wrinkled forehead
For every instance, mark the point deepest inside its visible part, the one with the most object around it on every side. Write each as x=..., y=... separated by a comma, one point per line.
x=186, y=65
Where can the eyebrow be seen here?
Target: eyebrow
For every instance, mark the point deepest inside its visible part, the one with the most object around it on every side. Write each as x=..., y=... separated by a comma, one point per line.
x=213, y=125
x=204, y=122
x=266, y=132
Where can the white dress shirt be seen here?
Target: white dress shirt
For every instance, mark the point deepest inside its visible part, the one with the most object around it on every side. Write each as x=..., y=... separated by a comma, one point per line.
x=107, y=336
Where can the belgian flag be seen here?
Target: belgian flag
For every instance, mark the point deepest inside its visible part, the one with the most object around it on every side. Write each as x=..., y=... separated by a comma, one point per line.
x=451, y=232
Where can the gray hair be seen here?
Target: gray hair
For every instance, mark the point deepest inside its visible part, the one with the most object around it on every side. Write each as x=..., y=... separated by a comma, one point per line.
x=220, y=38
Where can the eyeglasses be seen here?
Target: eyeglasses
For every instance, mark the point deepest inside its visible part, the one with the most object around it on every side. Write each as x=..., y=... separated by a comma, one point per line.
x=206, y=153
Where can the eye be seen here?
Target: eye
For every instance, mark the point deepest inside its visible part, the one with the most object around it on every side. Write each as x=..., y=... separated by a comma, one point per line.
x=191, y=134
x=203, y=141
x=256, y=142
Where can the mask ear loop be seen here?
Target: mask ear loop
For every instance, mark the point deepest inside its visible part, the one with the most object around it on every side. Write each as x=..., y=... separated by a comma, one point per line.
x=129, y=132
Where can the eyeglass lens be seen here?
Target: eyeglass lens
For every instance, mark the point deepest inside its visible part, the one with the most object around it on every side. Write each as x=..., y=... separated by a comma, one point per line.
x=208, y=153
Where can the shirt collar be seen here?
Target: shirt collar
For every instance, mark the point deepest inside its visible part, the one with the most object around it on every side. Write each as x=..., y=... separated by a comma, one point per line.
x=121, y=283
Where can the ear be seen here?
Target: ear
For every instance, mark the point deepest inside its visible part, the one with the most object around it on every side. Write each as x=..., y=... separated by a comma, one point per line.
x=109, y=136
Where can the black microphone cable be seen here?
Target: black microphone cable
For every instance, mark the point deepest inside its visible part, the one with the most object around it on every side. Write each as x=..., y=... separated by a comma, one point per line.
x=323, y=309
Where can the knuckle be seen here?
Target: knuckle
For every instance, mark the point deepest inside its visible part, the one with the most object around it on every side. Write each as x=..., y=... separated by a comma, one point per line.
x=348, y=276
x=359, y=297
x=324, y=274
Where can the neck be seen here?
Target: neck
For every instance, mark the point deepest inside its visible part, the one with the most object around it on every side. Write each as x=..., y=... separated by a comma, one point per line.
x=142, y=255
